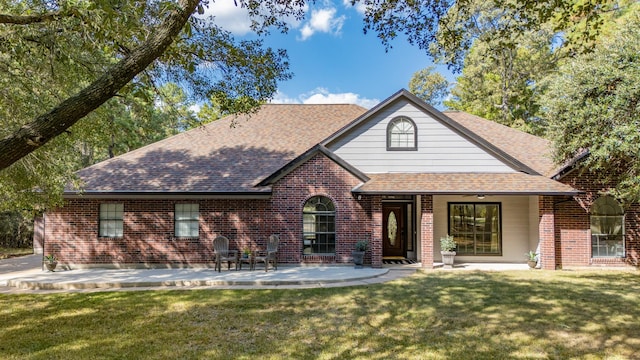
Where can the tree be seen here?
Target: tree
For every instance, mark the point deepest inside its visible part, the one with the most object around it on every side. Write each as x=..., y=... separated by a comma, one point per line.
x=60, y=61
x=88, y=52
x=502, y=83
x=127, y=123
x=448, y=28
x=593, y=104
x=429, y=86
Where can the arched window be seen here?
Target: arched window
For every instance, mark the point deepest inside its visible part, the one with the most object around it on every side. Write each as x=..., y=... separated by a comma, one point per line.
x=402, y=134
x=319, y=226
x=607, y=228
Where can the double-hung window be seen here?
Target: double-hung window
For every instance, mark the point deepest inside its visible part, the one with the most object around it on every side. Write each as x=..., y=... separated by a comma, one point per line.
x=607, y=228
x=111, y=220
x=186, y=220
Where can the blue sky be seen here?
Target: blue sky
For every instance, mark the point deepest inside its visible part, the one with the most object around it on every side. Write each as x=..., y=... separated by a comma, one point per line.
x=332, y=60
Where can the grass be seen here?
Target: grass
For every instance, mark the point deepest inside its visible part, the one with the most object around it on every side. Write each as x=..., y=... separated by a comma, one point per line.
x=12, y=252
x=431, y=315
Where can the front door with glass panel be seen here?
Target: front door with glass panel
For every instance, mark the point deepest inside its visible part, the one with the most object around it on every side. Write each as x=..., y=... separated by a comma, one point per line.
x=394, y=237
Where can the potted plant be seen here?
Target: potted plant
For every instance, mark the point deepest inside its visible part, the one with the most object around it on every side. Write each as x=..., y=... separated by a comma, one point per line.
x=532, y=259
x=358, y=252
x=51, y=262
x=447, y=250
x=246, y=252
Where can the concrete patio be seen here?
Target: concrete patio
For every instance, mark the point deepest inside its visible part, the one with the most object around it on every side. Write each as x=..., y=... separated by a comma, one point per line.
x=26, y=273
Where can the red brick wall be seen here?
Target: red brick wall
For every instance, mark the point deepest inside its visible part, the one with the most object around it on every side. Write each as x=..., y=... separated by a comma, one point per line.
x=573, y=236
x=547, y=233
x=72, y=231
x=573, y=245
x=321, y=176
x=426, y=253
x=376, y=229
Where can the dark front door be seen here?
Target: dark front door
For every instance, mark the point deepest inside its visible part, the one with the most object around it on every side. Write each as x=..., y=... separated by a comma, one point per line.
x=394, y=237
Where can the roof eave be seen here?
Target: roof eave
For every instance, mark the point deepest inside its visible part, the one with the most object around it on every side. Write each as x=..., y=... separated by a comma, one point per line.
x=463, y=193
x=295, y=163
x=570, y=166
x=255, y=195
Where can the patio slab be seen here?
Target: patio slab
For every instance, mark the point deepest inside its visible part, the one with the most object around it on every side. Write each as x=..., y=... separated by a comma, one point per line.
x=197, y=277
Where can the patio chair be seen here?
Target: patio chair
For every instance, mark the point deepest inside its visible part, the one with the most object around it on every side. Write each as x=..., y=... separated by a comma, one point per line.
x=270, y=255
x=223, y=254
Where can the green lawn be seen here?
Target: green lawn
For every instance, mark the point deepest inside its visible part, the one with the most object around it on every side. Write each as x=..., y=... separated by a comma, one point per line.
x=431, y=315
x=11, y=252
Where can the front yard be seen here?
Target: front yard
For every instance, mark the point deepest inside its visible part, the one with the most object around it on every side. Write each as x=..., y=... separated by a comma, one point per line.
x=432, y=315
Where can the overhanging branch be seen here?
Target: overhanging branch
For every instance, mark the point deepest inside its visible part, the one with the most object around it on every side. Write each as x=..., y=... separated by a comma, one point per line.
x=45, y=127
x=28, y=19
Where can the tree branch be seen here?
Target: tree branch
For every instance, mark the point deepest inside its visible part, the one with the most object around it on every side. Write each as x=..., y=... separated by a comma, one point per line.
x=28, y=19
x=45, y=127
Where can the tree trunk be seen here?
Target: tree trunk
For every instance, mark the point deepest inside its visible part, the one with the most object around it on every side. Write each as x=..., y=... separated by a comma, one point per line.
x=47, y=126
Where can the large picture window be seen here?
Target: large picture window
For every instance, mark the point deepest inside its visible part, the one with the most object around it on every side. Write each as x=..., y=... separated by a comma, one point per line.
x=476, y=228
x=186, y=220
x=402, y=134
x=319, y=226
x=607, y=228
x=111, y=220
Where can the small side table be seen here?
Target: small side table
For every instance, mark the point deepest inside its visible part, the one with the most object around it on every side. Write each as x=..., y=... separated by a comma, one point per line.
x=247, y=260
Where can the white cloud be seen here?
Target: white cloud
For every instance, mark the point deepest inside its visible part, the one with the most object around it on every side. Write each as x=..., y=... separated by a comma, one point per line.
x=360, y=7
x=236, y=19
x=322, y=20
x=323, y=96
x=229, y=17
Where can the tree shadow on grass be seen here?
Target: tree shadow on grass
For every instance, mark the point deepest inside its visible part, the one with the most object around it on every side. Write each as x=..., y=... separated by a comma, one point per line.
x=480, y=315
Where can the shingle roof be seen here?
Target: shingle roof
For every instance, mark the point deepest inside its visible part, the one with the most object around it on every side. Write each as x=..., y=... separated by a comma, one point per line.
x=219, y=157
x=531, y=150
x=235, y=154
x=463, y=183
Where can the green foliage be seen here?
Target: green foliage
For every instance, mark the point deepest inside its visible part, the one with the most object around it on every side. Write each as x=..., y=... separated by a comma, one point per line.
x=593, y=103
x=447, y=243
x=51, y=50
x=362, y=245
x=50, y=258
x=502, y=84
x=16, y=230
x=447, y=28
x=429, y=86
x=531, y=256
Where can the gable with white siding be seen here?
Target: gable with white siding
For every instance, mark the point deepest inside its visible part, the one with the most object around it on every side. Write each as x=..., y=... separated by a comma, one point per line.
x=440, y=149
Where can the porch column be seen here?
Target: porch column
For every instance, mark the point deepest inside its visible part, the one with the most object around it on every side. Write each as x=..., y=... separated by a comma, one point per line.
x=546, y=230
x=376, y=231
x=426, y=231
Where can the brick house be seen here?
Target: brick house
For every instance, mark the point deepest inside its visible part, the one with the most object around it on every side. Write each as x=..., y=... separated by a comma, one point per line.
x=400, y=175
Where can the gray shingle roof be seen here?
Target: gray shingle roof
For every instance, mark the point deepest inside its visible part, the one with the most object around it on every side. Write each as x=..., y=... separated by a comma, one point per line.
x=464, y=183
x=533, y=151
x=226, y=156
x=233, y=155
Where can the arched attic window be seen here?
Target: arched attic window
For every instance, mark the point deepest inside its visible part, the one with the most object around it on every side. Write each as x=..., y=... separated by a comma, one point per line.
x=607, y=228
x=402, y=134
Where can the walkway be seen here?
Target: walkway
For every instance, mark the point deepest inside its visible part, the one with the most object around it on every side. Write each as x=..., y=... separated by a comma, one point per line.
x=25, y=274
